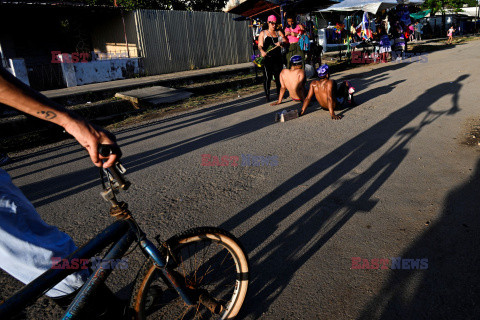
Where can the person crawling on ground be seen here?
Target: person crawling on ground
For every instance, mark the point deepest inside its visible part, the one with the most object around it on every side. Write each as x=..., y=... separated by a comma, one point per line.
x=293, y=80
x=327, y=94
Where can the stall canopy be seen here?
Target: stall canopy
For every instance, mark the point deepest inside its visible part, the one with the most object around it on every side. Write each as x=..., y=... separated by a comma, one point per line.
x=307, y=6
x=420, y=14
x=253, y=8
x=250, y=8
x=371, y=6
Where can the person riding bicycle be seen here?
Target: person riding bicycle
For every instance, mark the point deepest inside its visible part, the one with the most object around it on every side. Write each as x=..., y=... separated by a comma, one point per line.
x=27, y=243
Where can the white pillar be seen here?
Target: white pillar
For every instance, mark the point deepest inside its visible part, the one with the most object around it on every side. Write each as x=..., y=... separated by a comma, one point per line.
x=68, y=69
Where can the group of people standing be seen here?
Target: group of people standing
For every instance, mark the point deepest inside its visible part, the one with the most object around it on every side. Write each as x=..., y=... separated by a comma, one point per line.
x=278, y=47
x=395, y=38
x=292, y=77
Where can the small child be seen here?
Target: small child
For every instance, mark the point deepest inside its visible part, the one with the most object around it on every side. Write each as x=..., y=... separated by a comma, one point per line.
x=450, y=34
x=411, y=30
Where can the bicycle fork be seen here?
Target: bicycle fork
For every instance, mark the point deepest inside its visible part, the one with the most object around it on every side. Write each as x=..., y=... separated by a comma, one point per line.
x=189, y=296
x=152, y=251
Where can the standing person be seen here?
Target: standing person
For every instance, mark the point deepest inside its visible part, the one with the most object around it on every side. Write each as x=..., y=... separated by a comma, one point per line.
x=353, y=33
x=411, y=30
x=387, y=25
x=418, y=31
x=293, y=32
x=273, y=63
x=400, y=43
x=385, y=46
x=27, y=243
x=450, y=34
x=373, y=25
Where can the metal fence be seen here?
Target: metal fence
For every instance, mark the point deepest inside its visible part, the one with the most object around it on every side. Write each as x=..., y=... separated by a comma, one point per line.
x=171, y=41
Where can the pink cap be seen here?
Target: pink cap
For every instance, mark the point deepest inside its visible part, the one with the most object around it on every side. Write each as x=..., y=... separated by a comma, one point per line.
x=272, y=18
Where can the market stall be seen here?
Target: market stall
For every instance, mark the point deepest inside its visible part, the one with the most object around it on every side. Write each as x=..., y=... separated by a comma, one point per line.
x=257, y=12
x=358, y=25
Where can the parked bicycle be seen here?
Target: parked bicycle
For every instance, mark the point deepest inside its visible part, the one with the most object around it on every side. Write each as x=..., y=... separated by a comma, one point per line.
x=202, y=273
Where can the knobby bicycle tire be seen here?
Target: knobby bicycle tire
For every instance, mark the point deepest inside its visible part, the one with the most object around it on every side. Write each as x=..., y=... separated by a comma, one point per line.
x=209, y=259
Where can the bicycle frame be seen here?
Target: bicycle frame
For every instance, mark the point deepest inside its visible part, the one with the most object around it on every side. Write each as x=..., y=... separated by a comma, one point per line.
x=122, y=234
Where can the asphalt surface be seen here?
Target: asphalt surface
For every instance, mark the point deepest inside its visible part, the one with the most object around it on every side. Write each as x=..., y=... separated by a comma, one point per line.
x=392, y=179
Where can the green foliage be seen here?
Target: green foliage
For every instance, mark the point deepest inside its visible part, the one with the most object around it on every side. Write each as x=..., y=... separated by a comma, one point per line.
x=442, y=5
x=471, y=3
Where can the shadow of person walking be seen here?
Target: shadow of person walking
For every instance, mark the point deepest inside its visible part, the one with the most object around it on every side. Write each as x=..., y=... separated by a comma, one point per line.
x=276, y=263
x=449, y=288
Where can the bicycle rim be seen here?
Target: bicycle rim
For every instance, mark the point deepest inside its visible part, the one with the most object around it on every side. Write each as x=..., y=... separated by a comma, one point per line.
x=209, y=259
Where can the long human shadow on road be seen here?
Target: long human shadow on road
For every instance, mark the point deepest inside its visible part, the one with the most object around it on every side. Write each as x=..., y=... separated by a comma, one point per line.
x=58, y=187
x=449, y=288
x=361, y=82
x=366, y=95
x=55, y=188
x=275, y=265
x=223, y=109
x=192, y=118
x=158, y=127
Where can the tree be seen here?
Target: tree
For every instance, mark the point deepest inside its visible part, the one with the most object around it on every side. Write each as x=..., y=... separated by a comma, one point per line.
x=443, y=5
x=190, y=5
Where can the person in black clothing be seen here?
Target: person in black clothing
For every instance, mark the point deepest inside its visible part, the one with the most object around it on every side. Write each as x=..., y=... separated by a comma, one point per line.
x=272, y=65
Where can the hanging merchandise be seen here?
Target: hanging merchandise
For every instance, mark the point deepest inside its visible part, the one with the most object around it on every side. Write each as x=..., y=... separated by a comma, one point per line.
x=366, y=32
x=304, y=43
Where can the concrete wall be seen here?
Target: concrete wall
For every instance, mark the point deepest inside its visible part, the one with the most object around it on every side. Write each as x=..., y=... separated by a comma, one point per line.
x=106, y=70
x=80, y=73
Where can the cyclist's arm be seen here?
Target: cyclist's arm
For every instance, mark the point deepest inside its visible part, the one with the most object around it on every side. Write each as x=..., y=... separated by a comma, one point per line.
x=21, y=97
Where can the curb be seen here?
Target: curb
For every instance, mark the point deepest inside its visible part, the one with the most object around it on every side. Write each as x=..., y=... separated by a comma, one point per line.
x=102, y=93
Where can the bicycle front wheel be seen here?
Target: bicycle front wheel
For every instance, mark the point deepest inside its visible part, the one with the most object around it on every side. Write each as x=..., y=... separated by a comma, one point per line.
x=210, y=260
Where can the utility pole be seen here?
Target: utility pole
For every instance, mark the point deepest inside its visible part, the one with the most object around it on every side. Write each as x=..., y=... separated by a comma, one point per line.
x=476, y=15
x=443, y=19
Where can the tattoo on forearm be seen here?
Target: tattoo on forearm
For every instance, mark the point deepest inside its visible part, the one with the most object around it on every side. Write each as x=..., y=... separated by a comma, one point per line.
x=49, y=115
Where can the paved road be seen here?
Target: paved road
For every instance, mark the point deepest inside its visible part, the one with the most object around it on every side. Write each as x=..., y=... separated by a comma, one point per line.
x=391, y=179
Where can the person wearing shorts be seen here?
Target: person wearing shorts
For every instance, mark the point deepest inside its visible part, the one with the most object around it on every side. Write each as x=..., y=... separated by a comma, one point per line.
x=293, y=33
x=385, y=46
x=27, y=243
x=327, y=94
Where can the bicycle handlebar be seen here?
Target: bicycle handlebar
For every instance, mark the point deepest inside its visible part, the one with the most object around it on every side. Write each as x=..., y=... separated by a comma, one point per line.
x=117, y=170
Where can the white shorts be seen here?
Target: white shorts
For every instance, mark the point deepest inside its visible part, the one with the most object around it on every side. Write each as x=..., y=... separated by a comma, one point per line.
x=385, y=49
x=28, y=244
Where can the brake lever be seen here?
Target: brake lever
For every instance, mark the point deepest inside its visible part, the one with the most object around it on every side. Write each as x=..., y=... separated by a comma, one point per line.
x=117, y=172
